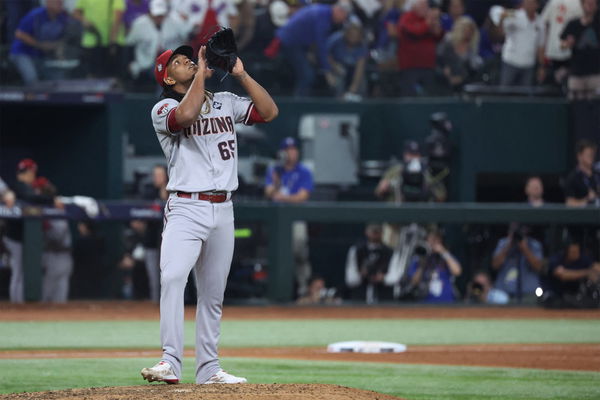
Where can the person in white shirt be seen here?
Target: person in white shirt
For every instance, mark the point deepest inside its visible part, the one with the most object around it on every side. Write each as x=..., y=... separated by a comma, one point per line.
x=523, y=45
x=555, y=16
x=203, y=17
x=152, y=33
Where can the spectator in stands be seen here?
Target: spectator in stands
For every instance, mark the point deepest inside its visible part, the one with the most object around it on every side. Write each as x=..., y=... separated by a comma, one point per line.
x=518, y=260
x=458, y=54
x=37, y=39
x=582, y=35
x=103, y=37
x=318, y=293
x=534, y=190
x=386, y=44
x=309, y=26
x=524, y=45
x=582, y=186
x=150, y=35
x=367, y=264
x=57, y=260
x=291, y=182
x=419, y=31
x=480, y=290
x=204, y=17
x=555, y=16
x=133, y=10
x=573, y=279
x=348, y=53
x=431, y=274
x=25, y=192
x=14, y=11
x=456, y=10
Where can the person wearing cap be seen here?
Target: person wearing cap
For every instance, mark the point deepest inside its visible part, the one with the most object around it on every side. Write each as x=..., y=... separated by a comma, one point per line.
x=25, y=191
x=197, y=133
x=151, y=34
x=290, y=181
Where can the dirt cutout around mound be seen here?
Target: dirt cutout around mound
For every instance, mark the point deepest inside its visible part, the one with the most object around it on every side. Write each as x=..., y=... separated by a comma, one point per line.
x=208, y=392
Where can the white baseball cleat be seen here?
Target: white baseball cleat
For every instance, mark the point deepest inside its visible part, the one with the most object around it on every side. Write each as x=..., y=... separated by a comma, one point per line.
x=161, y=372
x=224, y=377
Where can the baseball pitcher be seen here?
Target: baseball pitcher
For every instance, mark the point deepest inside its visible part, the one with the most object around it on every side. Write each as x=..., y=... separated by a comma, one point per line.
x=196, y=130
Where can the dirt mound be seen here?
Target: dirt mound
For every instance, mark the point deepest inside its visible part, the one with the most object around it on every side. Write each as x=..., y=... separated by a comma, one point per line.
x=208, y=392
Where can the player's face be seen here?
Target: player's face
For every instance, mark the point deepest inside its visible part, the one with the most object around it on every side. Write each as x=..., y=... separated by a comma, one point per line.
x=181, y=69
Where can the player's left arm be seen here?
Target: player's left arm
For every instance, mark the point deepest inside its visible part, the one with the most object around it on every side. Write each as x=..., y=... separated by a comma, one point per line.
x=263, y=102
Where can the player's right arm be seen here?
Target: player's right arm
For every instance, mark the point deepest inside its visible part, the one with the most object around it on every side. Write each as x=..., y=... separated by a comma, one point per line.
x=191, y=105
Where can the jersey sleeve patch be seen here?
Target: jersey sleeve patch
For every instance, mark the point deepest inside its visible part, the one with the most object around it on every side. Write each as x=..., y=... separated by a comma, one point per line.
x=252, y=116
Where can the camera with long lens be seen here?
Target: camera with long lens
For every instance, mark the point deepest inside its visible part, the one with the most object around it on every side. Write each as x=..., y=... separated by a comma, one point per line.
x=437, y=145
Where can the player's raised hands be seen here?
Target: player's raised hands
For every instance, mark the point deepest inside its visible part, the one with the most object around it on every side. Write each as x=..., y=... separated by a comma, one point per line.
x=238, y=68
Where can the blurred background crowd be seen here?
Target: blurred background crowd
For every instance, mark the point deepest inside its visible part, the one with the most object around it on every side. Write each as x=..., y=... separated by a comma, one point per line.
x=364, y=48
x=352, y=51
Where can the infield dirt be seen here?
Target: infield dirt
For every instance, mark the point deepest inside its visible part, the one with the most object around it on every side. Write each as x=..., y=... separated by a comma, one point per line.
x=208, y=392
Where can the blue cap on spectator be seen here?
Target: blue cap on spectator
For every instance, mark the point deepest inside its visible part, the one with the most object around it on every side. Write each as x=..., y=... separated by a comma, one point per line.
x=287, y=143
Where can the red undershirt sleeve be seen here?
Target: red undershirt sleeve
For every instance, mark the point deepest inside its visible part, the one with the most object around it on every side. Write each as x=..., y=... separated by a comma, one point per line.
x=252, y=116
x=172, y=125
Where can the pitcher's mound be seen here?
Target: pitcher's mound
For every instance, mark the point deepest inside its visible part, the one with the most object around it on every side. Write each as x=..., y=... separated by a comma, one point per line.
x=209, y=392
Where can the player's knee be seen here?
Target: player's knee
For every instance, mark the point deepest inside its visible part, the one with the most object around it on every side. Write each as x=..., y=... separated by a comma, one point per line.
x=172, y=276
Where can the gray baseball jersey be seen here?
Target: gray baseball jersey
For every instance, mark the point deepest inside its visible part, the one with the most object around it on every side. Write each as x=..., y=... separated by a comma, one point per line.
x=204, y=156
x=198, y=234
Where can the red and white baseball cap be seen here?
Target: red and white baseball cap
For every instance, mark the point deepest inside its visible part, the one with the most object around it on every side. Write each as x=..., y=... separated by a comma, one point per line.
x=160, y=69
x=25, y=164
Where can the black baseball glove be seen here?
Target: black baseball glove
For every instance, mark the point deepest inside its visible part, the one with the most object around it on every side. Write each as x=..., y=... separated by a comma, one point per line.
x=221, y=50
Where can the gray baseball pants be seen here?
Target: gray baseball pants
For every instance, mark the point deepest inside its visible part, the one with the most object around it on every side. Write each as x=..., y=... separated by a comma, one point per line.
x=199, y=235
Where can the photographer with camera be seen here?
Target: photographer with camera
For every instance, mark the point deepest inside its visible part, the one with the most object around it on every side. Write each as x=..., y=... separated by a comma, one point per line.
x=408, y=181
x=367, y=264
x=573, y=279
x=481, y=291
x=518, y=260
x=430, y=277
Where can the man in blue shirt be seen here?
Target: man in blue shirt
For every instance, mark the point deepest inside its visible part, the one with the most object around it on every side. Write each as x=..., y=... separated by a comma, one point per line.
x=292, y=182
x=38, y=36
x=310, y=26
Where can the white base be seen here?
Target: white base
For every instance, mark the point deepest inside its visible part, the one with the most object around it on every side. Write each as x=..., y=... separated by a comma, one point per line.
x=360, y=346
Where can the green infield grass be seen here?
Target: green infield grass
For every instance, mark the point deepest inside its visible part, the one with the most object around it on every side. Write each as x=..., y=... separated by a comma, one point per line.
x=271, y=333
x=409, y=381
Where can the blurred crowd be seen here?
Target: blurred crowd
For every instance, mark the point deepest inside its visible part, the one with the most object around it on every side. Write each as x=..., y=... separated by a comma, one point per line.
x=347, y=49
x=558, y=267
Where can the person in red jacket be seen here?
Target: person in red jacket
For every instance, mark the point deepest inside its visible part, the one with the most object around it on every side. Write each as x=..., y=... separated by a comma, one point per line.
x=419, y=31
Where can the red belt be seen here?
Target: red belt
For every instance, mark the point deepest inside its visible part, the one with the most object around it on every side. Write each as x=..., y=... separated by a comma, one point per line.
x=213, y=197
